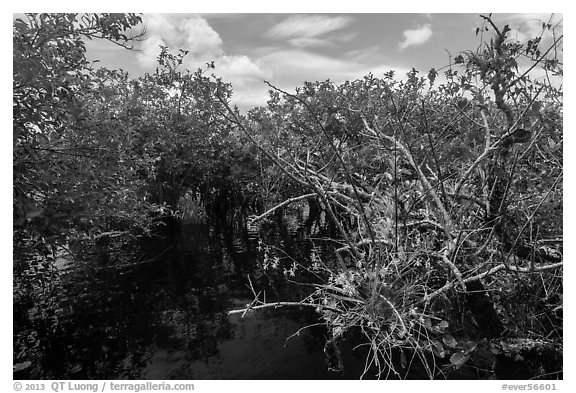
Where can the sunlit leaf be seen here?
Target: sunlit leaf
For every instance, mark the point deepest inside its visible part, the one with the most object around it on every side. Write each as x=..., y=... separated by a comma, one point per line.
x=449, y=341
x=469, y=346
x=458, y=359
x=438, y=349
x=403, y=361
x=21, y=366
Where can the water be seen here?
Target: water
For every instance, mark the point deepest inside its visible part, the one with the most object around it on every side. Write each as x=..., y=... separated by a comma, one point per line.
x=254, y=350
x=167, y=318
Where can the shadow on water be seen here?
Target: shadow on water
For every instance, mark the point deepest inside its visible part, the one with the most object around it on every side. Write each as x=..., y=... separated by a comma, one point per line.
x=167, y=319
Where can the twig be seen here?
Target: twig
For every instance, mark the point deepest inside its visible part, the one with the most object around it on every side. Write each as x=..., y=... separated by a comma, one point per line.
x=300, y=330
x=434, y=155
x=429, y=189
x=487, y=138
x=281, y=304
x=425, y=224
x=337, y=154
x=112, y=234
x=274, y=159
x=536, y=62
x=489, y=272
x=552, y=187
x=365, y=241
x=286, y=202
x=455, y=270
x=404, y=330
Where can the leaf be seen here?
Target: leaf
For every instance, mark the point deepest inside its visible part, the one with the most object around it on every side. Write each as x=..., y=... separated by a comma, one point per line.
x=427, y=322
x=432, y=74
x=458, y=359
x=449, y=341
x=34, y=212
x=21, y=366
x=438, y=349
x=443, y=324
x=463, y=103
x=552, y=143
x=469, y=346
x=521, y=135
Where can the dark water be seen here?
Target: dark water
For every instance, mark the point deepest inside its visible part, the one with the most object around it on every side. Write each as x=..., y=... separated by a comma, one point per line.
x=167, y=318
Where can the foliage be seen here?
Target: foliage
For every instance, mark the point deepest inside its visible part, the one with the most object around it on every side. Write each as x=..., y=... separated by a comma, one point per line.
x=68, y=176
x=447, y=202
x=97, y=154
x=101, y=160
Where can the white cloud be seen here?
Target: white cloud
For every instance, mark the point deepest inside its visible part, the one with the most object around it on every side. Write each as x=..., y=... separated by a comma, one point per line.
x=300, y=65
x=304, y=30
x=416, y=36
x=542, y=17
x=309, y=42
x=296, y=66
x=256, y=95
x=286, y=68
x=303, y=42
x=345, y=37
x=239, y=70
x=159, y=25
x=246, y=77
x=192, y=33
x=149, y=51
x=200, y=39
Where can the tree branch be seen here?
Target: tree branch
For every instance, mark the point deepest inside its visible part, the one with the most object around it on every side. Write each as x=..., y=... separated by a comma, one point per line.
x=286, y=202
x=429, y=189
x=281, y=304
x=517, y=269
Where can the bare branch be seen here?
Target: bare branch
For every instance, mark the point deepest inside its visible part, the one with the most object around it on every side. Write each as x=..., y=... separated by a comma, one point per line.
x=517, y=269
x=429, y=189
x=286, y=202
x=337, y=154
x=553, y=46
x=529, y=220
x=234, y=118
x=249, y=307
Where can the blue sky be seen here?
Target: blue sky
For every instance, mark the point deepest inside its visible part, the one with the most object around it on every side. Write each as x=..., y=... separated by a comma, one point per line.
x=287, y=49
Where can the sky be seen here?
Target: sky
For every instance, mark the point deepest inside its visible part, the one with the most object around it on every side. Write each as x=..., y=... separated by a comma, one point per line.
x=287, y=49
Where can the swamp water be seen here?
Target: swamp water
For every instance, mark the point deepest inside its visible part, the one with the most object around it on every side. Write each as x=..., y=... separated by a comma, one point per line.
x=168, y=318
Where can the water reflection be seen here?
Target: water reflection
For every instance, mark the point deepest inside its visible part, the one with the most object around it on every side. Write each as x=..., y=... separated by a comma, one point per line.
x=255, y=350
x=167, y=318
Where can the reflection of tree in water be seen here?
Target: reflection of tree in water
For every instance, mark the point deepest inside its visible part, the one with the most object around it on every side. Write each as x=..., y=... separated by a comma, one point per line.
x=105, y=322
x=95, y=329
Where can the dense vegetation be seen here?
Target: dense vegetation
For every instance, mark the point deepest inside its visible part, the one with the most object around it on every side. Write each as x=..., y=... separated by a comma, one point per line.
x=445, y=198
